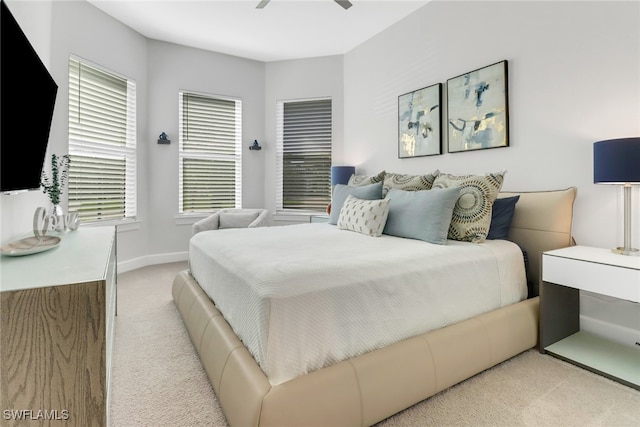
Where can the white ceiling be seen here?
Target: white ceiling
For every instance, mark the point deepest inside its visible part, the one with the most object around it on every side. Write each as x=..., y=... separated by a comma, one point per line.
x=284, y=29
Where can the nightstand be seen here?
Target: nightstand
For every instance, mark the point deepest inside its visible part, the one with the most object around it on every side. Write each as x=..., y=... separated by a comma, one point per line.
x=567, y=271
x=319, y=218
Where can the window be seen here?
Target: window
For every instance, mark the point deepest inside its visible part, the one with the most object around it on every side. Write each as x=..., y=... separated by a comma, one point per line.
x=304, y=155
x=210, y=153
x=102, y=143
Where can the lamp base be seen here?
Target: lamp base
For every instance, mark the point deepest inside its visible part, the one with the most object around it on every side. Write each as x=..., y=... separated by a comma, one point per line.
x=625, y=251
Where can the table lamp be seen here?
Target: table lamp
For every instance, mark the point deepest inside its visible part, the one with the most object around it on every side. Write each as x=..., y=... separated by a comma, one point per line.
x=617, y=161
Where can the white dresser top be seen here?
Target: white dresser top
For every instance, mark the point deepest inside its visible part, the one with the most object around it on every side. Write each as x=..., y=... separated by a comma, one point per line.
x=80, y=257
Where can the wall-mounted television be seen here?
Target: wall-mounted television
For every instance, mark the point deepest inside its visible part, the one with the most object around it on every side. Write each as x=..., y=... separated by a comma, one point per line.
x=27, y=95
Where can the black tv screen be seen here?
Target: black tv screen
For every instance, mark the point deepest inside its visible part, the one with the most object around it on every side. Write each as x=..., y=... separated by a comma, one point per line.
x=27, y=94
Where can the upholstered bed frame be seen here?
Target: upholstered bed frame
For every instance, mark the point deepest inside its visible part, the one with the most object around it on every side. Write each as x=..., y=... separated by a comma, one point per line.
x=371, y=387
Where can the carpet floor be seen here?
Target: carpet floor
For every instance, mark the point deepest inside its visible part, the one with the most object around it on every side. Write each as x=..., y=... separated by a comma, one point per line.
x=157, y=378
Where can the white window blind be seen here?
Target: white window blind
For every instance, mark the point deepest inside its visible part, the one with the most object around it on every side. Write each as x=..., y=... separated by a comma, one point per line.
x=102, y=143
x=210, y=169
x=303, y=144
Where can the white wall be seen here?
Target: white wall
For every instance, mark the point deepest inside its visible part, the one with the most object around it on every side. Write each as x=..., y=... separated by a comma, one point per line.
x=574, y=78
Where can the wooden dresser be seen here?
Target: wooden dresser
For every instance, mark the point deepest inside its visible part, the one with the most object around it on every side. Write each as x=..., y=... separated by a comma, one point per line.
x=57, y=312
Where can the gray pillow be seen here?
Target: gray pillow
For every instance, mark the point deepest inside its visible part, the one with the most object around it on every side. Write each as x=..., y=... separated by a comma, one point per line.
x=237, y=219
x=423, y=215
x=341, y=191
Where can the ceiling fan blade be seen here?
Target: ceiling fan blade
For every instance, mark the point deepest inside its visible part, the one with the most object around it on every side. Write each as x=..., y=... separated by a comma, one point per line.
x=344, y=3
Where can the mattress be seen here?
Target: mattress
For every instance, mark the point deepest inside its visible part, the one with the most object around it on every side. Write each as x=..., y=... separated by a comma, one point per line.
x=302, y=297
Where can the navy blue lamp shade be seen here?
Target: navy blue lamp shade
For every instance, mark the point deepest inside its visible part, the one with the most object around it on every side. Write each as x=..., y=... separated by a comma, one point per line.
x=341, y=174
x=616, y=161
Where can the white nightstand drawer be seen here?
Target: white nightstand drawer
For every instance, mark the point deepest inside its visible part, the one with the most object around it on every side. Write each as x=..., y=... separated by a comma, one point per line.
x=623, y=283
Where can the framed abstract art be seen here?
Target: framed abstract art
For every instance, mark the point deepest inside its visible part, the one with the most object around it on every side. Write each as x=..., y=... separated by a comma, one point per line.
x=478, y=109
x=419, y=122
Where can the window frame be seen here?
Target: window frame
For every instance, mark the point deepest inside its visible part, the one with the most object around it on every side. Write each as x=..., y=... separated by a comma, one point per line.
x=107, y=151
x=280, y=157
x=184, y=153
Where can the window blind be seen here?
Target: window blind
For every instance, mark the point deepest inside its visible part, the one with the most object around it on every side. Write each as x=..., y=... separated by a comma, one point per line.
x=303, y=140
x=102, y=143
x=210, y=169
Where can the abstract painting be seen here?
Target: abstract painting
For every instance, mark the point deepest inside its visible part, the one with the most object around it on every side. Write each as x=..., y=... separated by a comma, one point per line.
x=419, y=122
x=477, y=109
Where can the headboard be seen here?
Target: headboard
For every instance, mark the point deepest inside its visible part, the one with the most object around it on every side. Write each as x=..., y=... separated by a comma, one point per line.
x=541, y=222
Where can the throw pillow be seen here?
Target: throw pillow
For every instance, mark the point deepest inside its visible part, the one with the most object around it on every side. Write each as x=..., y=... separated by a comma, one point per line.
x=341, y=191
x=423, y=215
x=364, y=216
x=360, y=180
x=408, y=182
x=236, y=219
x=501, y=216
x=472, y=214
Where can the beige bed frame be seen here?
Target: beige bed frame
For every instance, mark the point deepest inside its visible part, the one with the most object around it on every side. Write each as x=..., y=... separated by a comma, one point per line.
x=369, y=388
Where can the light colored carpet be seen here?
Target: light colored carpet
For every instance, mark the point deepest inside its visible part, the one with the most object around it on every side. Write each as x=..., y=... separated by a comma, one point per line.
x=157, y=378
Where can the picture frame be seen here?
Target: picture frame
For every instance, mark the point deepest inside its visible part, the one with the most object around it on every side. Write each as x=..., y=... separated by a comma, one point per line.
x=478, y=109
x=419, y=122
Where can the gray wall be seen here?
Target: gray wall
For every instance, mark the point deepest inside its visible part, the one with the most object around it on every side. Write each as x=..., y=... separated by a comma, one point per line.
x=162, y=69
x=173, y=68
x=300, y=79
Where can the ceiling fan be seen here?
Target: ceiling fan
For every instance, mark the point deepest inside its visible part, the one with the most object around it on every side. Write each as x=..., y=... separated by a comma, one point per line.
x=344, y=3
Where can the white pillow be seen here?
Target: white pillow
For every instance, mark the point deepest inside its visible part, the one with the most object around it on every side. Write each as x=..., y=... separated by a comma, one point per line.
x=364, y=216
x=237, y=219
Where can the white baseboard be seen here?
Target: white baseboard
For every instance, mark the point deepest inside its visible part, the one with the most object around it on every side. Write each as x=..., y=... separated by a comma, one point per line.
x=616, y=333
x=144, y=261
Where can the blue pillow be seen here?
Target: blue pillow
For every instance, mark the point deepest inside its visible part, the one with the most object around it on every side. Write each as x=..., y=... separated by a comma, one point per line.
x=341, y=191
x=423, y=215
x=501, y=216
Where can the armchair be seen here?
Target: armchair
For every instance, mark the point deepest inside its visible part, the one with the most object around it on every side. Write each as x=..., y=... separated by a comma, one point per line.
x=233, y=218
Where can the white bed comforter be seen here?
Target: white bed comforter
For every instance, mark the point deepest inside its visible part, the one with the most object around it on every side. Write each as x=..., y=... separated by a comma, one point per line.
x=305, y=296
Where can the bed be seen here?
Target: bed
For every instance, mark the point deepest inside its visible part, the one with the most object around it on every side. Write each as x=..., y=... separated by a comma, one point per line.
x=258, y=384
